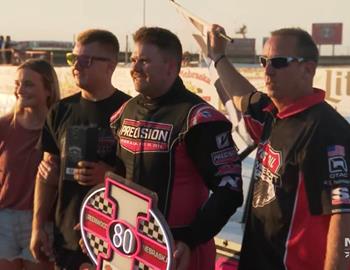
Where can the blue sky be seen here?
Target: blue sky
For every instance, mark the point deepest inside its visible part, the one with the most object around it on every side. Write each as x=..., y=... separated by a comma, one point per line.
x=61, y=19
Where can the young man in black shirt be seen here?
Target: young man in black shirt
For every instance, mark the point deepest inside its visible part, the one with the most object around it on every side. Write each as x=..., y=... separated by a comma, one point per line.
x=93, y=60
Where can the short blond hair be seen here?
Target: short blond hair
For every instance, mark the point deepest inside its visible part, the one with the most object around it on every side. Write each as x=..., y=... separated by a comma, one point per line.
x=105, y=38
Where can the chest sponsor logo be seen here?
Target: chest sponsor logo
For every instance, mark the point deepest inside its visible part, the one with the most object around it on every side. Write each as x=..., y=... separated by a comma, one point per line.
x=145, y=136
x=269, y=158
x=266, y=174
x=225, y=156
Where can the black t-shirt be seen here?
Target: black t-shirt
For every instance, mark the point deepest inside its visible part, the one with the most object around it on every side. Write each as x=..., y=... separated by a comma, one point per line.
x=75, y=111
x=300, y=178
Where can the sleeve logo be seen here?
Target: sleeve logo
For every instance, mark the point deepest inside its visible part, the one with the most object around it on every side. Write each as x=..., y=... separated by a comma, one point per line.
x=222, y=140
x=337, y=164
x=340, y=195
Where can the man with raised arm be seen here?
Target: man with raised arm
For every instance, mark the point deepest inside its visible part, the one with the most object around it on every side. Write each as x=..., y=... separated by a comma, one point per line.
x=300, y=211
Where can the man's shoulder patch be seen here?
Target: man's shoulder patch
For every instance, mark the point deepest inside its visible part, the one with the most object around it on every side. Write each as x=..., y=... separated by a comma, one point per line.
x=204, y=113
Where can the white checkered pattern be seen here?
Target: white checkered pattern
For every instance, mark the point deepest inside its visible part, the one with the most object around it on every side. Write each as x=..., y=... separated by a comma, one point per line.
x=141, y=266
x=98, y=245
x=98, y=202
x=152, y=230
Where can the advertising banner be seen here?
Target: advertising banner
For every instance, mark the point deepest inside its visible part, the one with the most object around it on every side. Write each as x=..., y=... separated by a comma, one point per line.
x=327, y=33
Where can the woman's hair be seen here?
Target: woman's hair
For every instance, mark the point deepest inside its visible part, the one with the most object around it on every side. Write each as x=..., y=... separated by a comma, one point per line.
x=48, y=76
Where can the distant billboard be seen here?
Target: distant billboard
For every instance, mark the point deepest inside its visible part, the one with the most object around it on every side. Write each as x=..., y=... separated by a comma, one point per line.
x=327, y=33
x=241, y=47
x=43, y=45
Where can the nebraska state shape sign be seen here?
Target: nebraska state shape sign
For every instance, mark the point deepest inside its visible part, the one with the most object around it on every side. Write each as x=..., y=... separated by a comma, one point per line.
x=122, y=228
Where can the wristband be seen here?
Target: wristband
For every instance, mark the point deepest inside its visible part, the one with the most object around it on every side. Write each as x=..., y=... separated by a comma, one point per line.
x=217, y=60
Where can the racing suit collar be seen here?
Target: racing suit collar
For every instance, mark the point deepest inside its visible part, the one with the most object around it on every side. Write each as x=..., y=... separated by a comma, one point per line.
x=155, y=102
x=299, y=105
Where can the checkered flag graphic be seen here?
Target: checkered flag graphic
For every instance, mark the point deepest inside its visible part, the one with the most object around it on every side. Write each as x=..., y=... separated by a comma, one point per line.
x=152, y=229
x=98, y=202
x=98, y=245
x=141, y=266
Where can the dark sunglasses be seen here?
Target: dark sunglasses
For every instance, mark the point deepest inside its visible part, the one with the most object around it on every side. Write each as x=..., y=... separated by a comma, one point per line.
x=83, y=61
x=279, y=62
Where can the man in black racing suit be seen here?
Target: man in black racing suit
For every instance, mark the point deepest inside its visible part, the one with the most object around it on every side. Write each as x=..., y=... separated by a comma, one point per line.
x=174, y=143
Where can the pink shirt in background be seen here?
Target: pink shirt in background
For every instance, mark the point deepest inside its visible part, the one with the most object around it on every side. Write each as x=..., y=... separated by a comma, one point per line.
x=19, y=160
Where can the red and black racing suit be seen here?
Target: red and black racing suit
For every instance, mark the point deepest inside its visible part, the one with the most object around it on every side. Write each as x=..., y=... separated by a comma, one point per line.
x=180, y=147
x=301, y=178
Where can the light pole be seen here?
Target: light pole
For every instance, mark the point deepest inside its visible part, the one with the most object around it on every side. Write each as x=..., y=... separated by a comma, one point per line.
x=144, y=12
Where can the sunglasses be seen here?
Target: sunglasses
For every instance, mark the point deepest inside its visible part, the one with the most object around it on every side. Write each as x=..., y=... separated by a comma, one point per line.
x=83, y=61
x=279, y=62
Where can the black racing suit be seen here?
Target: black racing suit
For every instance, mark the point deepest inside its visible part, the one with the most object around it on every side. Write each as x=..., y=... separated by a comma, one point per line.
x=181, y=147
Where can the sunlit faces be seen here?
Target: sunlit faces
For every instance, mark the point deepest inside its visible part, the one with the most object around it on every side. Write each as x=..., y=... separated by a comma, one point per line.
x=99, y=69
x=282, y=83
x=151, y=70
x=30, y=90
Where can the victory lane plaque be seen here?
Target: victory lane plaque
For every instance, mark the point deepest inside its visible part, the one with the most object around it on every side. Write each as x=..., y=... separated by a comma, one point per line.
x=122, y=228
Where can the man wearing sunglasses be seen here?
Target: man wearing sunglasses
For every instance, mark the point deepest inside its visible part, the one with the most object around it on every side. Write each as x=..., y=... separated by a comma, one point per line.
x=300, y=209
x=83, y=116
